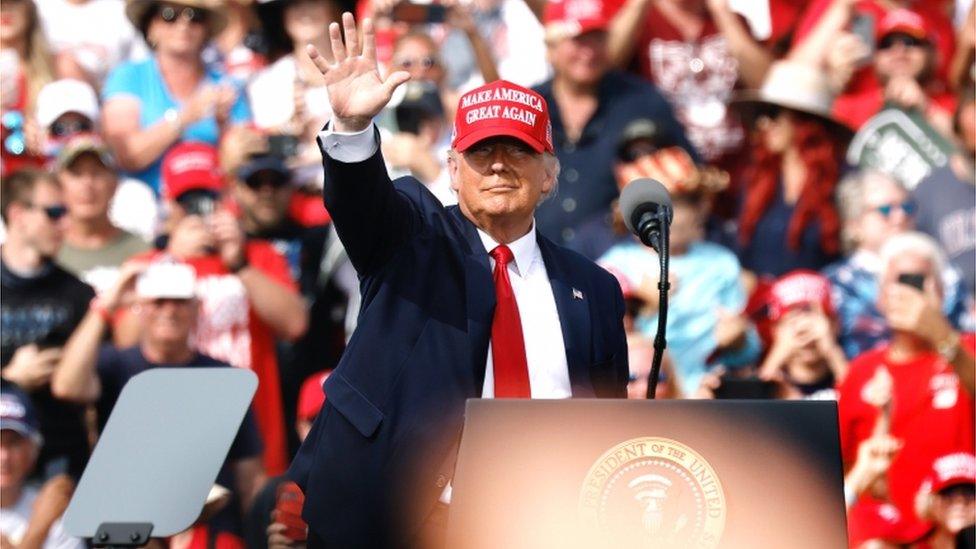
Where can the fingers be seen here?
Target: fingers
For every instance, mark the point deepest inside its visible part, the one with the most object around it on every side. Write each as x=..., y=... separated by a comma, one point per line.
x=320, y=62
x=335, y=39
x=369, y=40
x=352, y=37
x=394, y=81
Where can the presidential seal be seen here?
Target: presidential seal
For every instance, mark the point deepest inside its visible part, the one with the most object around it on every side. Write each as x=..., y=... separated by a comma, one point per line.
x=654, y=492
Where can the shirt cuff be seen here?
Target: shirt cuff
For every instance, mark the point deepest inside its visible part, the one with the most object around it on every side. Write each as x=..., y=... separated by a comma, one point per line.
x=348, y=147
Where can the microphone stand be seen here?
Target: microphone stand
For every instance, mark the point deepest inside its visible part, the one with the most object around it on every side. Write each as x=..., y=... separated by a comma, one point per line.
x=662, y=238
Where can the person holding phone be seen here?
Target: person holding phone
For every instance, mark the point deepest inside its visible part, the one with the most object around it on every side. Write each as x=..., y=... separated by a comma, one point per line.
x=931, y=367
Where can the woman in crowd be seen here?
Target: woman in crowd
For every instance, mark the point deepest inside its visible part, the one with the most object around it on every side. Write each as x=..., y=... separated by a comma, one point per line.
x=172, y=96
x=788, y=220
x=27, y=66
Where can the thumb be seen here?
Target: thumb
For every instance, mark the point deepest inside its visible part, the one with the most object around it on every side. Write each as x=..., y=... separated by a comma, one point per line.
x=393, y=81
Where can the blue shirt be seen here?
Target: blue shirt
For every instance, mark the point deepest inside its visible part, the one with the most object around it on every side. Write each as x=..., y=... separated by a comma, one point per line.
x=706, y=280
x=143, y=81
x=587, y=184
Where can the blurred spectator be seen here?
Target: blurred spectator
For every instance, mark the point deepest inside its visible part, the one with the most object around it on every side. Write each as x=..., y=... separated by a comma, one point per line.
x=26, y=65
x=591, y=105
x=873, y=525
x=804, y=354
x=92, y=373
x=20, y=443
x=704, y=323
x=288, y=98
x=68, y=108
x=153, y=104
x=275, y=519
x=695, y=52
x=788, y=220
x=911, y=380
x=42, y=305
x=842, y=34
x=947, y=197
x=241, y=49
x=89, y=37
x=947, y=498
x=422, y=139
x=263, y=189
x=94, y=248
x=873, y=208
x=961, y=67
x=247, y=295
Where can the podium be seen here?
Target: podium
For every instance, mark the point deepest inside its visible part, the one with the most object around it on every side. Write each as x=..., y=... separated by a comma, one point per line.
x=628, y=474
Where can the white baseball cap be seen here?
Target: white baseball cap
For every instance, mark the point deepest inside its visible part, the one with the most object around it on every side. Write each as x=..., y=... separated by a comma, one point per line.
x=64, y=96
x=167, y=280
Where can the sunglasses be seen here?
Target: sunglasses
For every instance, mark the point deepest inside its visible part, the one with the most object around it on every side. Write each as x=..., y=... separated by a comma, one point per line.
x=907, y=207
x=54, y=213
x=904, y=39
x=768, y=110
x=273, y=180
x=64, y=128
x=170, y=14
x=422, y=62
x=967, y=491
x=15, y=143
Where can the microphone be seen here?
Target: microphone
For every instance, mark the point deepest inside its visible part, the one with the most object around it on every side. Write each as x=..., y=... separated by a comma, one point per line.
x=646, y=206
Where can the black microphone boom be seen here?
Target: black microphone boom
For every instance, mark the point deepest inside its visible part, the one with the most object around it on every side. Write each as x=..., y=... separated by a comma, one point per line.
x=646, y=208
x=645, y=205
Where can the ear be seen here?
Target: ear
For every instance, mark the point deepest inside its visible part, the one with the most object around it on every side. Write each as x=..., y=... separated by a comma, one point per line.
x=454, y=169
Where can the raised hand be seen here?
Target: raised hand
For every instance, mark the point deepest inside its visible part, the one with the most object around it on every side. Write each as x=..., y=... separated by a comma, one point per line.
x=356, y=89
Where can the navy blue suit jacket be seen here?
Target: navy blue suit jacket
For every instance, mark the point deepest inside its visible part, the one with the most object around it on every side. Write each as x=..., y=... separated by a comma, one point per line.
x=383, y=446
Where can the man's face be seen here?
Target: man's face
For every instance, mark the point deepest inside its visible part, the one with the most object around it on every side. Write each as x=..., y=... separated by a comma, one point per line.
x=906, y=263
x=900, y=54
x=686, y=226
x=887, y=211
x=264, y=199
x=954, y=508
x=499, y=178
x=417, y=57
x=41, y=223
x=88, y=187
x=581, y=59
x=17, y=456
x=308, y=20
x=169, y=321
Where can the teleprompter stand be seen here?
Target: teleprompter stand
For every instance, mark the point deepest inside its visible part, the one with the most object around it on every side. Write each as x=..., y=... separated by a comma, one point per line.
x=159, y=454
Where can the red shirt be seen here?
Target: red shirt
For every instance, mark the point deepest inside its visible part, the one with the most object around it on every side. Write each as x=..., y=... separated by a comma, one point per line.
x=931, y=413
x=228, y=329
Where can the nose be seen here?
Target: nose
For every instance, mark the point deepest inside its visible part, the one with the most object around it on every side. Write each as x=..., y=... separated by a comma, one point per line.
x=498, y=163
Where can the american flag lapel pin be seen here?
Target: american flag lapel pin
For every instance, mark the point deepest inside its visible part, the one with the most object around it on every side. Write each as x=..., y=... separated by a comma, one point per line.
x=577, y=294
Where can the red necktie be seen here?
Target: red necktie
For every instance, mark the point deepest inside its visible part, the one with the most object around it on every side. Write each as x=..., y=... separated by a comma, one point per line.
x=507, y=344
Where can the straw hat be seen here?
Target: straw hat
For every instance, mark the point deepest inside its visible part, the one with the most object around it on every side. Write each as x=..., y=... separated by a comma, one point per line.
x=136, y=10
x=795, y=86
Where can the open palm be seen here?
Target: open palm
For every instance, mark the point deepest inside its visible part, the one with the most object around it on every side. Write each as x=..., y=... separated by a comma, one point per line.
x=356, y=90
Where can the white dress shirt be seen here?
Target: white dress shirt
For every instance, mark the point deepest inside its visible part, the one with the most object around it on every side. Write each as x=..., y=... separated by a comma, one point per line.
x=545, y=350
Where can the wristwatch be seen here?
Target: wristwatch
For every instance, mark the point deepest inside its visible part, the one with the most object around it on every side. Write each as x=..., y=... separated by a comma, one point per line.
x=949, y=347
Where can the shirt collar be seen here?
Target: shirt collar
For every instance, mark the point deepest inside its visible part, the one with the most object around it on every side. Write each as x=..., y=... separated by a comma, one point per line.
x=525, y=249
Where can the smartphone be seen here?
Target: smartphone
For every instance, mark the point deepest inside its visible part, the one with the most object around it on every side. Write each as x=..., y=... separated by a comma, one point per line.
x=283, y=145
x=862, y=26
x=733, y=388
x=915, y=280
x=408, y=12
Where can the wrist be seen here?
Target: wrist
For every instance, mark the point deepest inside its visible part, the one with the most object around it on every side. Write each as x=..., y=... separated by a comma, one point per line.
x=355, y=124
x=175, y=118
x=237, y=265
x=948, y=347
x=103, y=308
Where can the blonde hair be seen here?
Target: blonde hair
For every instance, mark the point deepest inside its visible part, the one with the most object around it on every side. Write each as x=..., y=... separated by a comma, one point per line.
x=37, y=62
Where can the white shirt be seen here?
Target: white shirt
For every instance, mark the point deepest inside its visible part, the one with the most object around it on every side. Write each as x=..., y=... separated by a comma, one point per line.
x=14, y=520
x=545, y=351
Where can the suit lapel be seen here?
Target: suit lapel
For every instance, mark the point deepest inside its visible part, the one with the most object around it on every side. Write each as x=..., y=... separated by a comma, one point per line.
x=480, y=298
x=574, y=317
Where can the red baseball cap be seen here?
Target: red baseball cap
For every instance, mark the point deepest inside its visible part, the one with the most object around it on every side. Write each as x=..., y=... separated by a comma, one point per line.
x=904, y=21
x=311, y=397
x=570, y=18
x=797, y=288
x=502, y=108
x=872, y=520
x=949, y=470
x=191, y=166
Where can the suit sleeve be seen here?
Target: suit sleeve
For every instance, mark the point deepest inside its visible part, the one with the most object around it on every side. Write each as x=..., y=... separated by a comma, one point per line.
x=370, y=216
x=621, y=364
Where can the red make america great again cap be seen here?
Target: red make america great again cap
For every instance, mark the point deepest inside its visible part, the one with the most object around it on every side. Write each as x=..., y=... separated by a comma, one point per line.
x=502, y=109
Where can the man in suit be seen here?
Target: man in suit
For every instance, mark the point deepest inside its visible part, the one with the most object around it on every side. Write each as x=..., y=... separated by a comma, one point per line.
x=457, y=303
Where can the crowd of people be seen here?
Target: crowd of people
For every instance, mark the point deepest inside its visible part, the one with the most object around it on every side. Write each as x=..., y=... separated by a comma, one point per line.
x=162, y=206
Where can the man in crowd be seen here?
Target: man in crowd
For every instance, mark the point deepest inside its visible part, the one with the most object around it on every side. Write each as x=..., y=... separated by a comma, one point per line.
x=90, y=373
x=247, y=294
x=94, y=248
x=437, y=327
x=591, y=105
x=20, y=443
x=42, y=305
x=912, y=380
